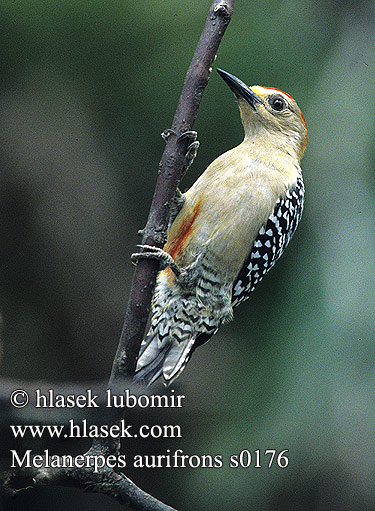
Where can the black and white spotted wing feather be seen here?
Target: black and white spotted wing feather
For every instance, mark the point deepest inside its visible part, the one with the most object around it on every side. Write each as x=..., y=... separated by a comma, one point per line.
x=271, y=242
x=268, y=247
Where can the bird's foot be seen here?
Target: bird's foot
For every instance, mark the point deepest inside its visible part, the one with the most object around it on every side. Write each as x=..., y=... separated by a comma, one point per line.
x=192, y=148
x=152, y=252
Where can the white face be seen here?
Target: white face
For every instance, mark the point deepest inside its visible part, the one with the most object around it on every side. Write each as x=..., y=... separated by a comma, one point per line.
x=277, y=101
x=278, y=113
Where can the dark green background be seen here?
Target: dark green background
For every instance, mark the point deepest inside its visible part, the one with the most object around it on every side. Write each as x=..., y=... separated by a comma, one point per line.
x=86, y=87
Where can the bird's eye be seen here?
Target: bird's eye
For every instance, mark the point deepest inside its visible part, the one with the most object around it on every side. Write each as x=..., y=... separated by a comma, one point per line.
x=277, y=103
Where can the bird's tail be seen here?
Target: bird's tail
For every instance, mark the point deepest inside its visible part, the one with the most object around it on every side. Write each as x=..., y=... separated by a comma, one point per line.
x=167, y=360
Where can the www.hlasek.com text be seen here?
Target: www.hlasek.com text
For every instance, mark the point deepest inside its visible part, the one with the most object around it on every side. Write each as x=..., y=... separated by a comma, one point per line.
x=83, y=429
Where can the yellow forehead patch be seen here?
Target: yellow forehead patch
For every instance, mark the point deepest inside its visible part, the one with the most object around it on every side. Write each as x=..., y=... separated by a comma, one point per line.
x=266, y=91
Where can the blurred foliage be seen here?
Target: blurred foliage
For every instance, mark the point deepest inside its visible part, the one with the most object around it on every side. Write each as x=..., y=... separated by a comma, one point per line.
x=86, y=87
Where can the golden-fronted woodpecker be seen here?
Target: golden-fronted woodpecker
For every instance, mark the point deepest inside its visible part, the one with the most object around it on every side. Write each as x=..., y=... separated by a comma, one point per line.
x=234, y=224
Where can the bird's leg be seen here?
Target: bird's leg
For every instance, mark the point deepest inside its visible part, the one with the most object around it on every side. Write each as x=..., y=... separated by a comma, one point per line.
x=156, y=253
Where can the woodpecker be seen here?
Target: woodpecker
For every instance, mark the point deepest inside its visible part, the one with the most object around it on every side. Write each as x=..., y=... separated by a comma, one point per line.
x=233, y=224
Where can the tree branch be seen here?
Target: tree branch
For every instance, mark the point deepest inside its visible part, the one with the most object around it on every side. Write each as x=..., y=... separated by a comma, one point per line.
x=105, y=481
x=171, y=169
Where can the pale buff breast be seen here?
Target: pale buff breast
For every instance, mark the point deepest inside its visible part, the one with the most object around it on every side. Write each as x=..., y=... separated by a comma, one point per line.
x=225, y=208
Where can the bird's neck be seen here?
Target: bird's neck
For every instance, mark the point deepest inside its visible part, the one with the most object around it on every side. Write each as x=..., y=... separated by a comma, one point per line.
x=271, y=155
x=270, y=147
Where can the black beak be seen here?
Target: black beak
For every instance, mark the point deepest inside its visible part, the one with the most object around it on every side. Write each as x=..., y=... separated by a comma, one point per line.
x=240, y=89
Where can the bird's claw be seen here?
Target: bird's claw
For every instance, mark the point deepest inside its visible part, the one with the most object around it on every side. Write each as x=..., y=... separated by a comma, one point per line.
x=190, y=135
x=167, y=133
x=191, y=153
x=192, y=149
x=152, y=252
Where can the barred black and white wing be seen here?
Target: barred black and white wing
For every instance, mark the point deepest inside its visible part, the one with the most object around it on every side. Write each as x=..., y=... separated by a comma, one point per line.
x=271, y=242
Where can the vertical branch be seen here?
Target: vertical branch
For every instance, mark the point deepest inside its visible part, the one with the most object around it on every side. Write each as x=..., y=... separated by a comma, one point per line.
x=171, y=168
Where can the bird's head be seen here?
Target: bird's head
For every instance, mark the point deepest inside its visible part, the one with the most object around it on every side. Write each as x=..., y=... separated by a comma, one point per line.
x=269, y=113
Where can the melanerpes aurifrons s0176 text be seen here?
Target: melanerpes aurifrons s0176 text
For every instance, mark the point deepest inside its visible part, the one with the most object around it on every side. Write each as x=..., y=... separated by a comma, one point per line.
x=232, y=226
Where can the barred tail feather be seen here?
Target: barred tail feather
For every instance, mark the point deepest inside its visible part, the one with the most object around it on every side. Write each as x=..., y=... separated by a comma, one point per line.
x=177, y=358
x=179, y=324
x=149, y=370
x=168, y=361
